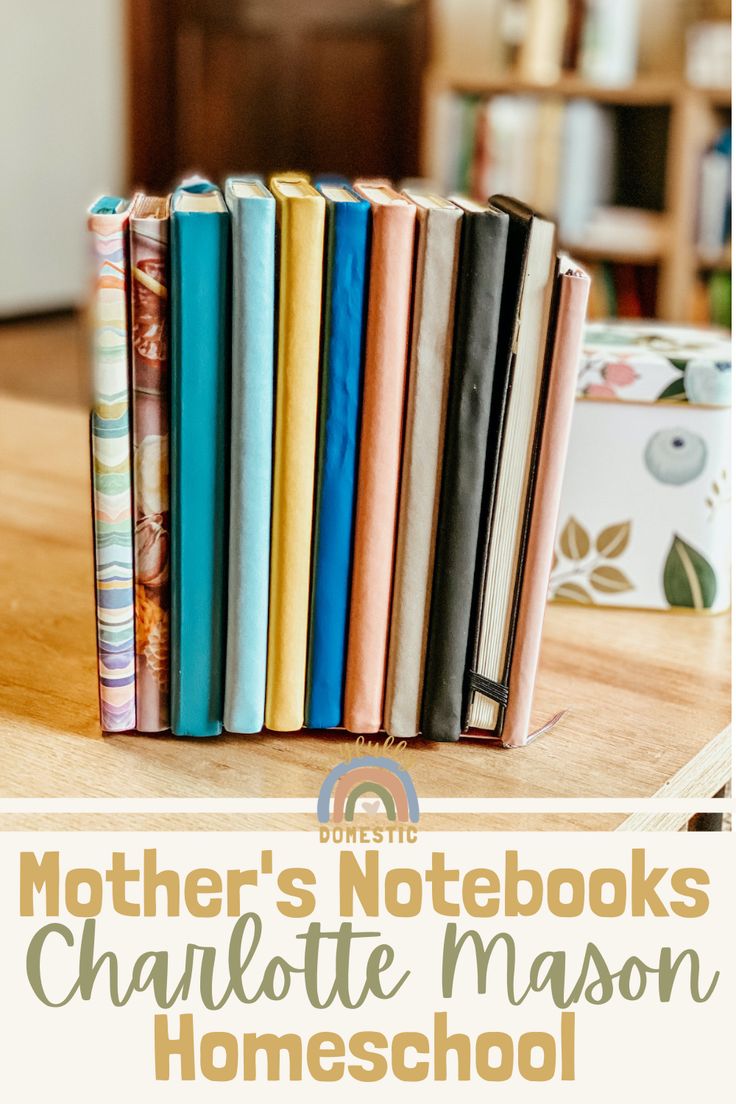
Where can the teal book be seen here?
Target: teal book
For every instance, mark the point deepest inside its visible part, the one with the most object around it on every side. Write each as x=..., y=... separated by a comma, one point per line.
x=200, y=357
x=253, y=211
x=346, y=251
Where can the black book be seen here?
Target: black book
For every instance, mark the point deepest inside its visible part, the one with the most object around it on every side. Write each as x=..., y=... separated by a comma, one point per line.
x=516, y=421
x=479, y=298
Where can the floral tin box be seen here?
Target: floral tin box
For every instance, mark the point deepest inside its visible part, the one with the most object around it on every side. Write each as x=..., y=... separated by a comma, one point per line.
x=645, y=511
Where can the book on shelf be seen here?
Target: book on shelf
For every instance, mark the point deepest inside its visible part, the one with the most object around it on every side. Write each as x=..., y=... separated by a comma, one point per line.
x=150, y=340
x=393, y=220
x=300, y=213
x=348, y=409
x=200, y=358
x=479, y=294
x=110, y=440
x=253, y=215
x=439, y=224
x=714, y=200
x=502, y=547
x=343, y=328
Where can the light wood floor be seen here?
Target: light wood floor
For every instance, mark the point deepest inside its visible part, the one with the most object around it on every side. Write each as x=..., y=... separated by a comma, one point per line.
x=45, y=358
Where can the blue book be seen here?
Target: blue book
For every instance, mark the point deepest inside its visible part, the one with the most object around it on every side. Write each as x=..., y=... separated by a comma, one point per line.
x=346, y=252
x=200, y=356
x=253, y=211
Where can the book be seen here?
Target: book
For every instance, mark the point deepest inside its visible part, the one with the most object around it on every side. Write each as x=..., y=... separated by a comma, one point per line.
x=253, y=212
x=714, y=199
x=111, y=475
x=392, y=260
x=571, y=295
x=548, y=146
x=300, y=214
x=586, y=164
x=501, y=560
x=149, y=322
x=479, y=291
x=438, y=244
x=345, y=277
x=540, y=54
x=610, y=42
x=200, y=358
x=507, y=147
x=445, y=123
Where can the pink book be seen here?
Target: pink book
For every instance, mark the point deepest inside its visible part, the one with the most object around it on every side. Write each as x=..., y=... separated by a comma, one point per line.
x=572, y=298
x=149, y=234
x=387, y=335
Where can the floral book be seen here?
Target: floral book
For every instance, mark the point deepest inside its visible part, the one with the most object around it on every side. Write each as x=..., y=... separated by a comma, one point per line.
x=644, y=517
x=149, y=237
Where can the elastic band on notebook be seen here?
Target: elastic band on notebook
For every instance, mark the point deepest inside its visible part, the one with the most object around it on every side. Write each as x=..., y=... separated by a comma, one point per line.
x=496, y=691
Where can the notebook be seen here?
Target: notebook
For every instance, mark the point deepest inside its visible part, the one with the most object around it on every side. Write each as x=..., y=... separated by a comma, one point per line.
x=253, y=212
x=110, y=455
x=346, y=254
x=149, y=321
x=200, y=359
x=479, y=293
x=570, y=301
x=502, y=554
x=300, y=213
x=438, y=244
x=389, y=303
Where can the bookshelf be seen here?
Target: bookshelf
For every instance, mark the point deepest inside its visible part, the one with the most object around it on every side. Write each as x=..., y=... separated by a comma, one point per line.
x=690, y=117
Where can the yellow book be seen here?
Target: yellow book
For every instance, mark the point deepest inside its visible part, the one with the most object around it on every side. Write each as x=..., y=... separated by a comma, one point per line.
x=300, y=212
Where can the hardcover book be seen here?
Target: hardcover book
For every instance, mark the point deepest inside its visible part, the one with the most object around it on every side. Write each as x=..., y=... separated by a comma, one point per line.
x=570, y=302
x=438, y=243
x=111, y=476
x=253, y=211
x=149, y=306
x=200, y=356
x=479, y=293
x=392, y=259
x=502, y=554
x=300, y=213
x=346, y=251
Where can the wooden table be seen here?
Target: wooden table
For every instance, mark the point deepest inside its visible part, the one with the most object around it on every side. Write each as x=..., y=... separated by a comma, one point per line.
x=648, y=695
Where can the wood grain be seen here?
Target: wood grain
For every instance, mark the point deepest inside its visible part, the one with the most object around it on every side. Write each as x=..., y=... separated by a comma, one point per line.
x=645, y=692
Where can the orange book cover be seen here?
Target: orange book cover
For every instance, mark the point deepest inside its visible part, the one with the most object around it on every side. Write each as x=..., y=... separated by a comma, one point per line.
x=387, y=333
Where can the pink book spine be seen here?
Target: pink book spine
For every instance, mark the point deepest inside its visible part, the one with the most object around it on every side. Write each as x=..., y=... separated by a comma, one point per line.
x=573, y=298
x=150, y=342
x=387, y=334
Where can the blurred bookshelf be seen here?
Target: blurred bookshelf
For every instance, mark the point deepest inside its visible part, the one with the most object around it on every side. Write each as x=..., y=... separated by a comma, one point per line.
x=624, y=168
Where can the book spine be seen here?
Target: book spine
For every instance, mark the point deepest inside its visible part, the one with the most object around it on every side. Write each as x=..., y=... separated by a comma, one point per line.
x=345, y=266
x=301, y=235
x=199, y=362
x=480, y=285
x=150, y=340
x=570, y=319
x=251, y=461
x=429, y=376
x=111, y=476
x=387, y=334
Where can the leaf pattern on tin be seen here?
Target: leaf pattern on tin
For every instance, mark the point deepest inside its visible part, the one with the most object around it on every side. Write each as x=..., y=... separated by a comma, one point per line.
x=613, y=540
x=574, y=542
x=609, y=579
x=573, y=593
x=689, y=580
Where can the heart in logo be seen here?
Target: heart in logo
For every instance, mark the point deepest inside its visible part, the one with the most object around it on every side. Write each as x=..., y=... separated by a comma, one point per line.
x=370, y=806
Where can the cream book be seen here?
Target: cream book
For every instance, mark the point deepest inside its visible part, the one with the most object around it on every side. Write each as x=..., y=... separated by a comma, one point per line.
x=500, y=564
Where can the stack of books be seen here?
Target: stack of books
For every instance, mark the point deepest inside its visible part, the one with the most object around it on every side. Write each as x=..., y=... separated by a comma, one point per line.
x=328, y=436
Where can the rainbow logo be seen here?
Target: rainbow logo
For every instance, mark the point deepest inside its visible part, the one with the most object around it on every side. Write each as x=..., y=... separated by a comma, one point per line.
x=368, y=774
